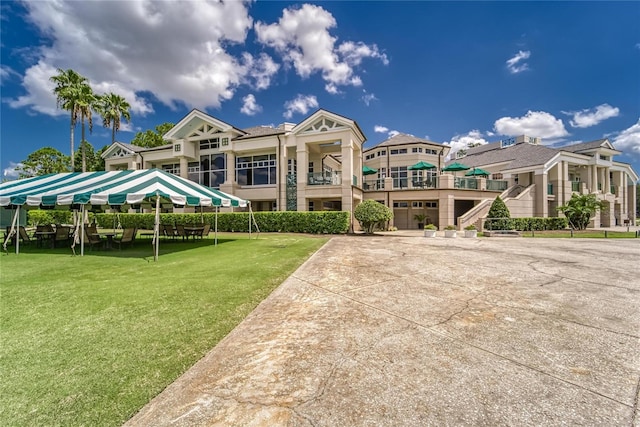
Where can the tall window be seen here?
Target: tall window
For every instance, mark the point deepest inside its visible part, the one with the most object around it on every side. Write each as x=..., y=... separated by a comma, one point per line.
x=399, y=175
x=256, y=170
x=292, y=166
x=213, y=168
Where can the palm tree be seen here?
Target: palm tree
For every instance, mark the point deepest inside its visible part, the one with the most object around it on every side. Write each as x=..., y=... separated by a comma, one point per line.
x=67, y=83
x=85, y=101
x=111, y=107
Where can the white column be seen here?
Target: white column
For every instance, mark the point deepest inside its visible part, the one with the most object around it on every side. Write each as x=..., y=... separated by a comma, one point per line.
x=302, y=157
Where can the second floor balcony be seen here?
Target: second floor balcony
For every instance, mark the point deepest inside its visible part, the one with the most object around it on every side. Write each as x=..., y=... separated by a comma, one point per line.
x=324, y=178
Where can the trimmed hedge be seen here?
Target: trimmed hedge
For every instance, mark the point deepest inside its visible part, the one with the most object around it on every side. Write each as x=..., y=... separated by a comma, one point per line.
x=38, y=216
x=528, y=224
x=328, y=222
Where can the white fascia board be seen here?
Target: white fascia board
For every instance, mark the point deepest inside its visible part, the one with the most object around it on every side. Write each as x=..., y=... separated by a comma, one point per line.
x=116, y=146
x=625, y=167
x=196, y=115
x=334, y=117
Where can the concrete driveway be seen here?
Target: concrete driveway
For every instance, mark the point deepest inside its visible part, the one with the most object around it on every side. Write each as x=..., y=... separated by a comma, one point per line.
x=399, y=330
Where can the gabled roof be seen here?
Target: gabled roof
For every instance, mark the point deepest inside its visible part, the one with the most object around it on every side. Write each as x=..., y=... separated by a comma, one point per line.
x=516, y=156
x=588, y=146
x=300, y=127
x=193, y=120
x=402, y=139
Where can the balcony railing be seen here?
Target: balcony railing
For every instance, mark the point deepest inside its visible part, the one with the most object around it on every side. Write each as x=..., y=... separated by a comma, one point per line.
x=466, y=183
x=324, y=178
x=425, y=183
x=576, y=186
x=373, y=184
x=493, y=185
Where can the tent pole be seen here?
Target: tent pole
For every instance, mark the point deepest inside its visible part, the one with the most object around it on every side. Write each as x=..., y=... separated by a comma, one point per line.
x=216, y=232
x=12, y=231
x=18, y=234
x=250, y=213
x=157, y=227
x=82, y=233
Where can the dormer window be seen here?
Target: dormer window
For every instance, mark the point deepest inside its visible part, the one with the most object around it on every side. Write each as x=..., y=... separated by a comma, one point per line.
x=606, y=158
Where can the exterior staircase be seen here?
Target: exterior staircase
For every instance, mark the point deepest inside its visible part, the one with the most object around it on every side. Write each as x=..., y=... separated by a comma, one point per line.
x=476, y=215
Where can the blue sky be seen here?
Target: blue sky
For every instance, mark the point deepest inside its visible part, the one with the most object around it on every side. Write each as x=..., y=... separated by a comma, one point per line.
x=452, y=72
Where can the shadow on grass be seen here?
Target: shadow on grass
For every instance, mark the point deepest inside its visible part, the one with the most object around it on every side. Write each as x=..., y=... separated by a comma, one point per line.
x=141, y=248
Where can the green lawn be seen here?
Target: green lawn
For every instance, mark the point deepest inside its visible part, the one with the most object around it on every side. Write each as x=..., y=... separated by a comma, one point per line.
x=89, y=340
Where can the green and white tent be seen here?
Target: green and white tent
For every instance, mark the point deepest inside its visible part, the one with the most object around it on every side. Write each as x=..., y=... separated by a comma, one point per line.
x=129, y=187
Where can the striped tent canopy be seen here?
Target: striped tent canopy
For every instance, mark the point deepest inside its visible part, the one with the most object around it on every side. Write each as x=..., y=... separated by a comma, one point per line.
x=111, y=188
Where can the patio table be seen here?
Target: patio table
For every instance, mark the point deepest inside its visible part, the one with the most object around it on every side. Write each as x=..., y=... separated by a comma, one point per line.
x=42, y=236
x=193, y=231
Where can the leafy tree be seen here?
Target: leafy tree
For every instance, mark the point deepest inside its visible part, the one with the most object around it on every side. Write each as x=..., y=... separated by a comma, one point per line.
x=68, y=83
x=93, y=158
x=112, y=107
x=85, y=102
x=580, y=209
x=500, y=212
x=150, y=138
x=44, y=161
x=370, y=213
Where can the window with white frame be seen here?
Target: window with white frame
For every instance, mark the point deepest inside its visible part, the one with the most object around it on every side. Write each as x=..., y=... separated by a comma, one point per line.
x=432, y=205
x=311, y=206
x=416, y=204
x=256, y=170
x=416, y=150
x=207, y=144
x=292, y=166
x=382, y=153
x=398, y=151
x=173, y=168
x=400, y=204
x=310, y=167
x=399, y=175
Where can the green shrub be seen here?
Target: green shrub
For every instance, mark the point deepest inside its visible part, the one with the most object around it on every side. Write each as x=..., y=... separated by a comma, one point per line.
x=539, y=224
x=329, y=222
x=430, y=227
x=370, y=214
x=39, y=217
x=499, y=216
x=450, y=227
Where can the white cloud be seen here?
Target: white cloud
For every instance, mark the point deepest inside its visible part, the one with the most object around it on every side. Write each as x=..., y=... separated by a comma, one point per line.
x=250, y=107
x=629, y=140
x=175, y=50
x=534, y=123
x=261, y=70
x=591, y=117
x=302, y=38
x=368, y=98
x=10, y=172
x=516, y=65
x=384, y=129
x=464, y=141
x=301, y=105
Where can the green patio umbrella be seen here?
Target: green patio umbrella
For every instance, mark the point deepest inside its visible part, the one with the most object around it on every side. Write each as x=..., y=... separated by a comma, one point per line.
x=477, y=172
x=366, y=170
x=455, y=167
x=420, y=166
